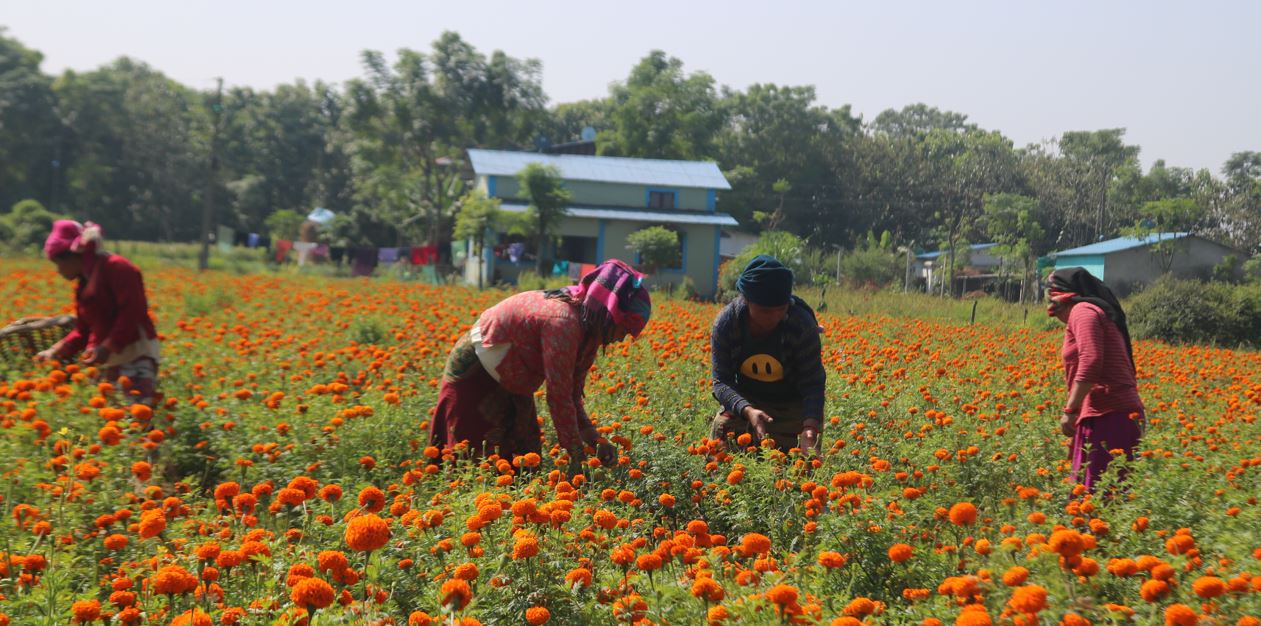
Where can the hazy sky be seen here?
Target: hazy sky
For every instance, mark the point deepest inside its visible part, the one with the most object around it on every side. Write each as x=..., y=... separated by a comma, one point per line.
x=1183, y=77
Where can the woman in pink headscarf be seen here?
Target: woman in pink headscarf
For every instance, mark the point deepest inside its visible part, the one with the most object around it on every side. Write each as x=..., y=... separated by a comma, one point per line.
x=113, y=328
x=532, y=339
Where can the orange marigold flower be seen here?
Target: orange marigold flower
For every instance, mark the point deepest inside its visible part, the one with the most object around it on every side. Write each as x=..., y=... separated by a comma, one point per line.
x=1028, y=599
x=421, y=618
x=708, y=589
x=1015, y=576
x=962, y=514
x=372, y=499
x=1179, y=544
x=536, y=615
x=525, y=547
x=974, y=615
x=365, y=533
x=86, y=611
x=579, y=576
x=173, y=579
x=860, y=607
x=466, y=571
x=782, y=595
x=1073, y=619
x=195, y=617
x=1067, y=543
x=312, y=593
x=832, y=560
x=648, y=562
x=1180, y=615
x=846, y=620
x=455, y=593
x=1122, y=568
x=754, y=544
x=899, y=552
x=1209, y=586
x=331, y=493
x=152, y=523
x=1153, y=590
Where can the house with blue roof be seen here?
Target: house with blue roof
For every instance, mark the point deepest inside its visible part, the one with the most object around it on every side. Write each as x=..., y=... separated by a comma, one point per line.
x=612, y=197
x=1127, y=263
x=980, y=266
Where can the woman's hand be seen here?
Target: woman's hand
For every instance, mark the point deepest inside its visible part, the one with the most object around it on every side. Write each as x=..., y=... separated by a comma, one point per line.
x=47, y=355
x=809, y=440
x=758, y=419
x=1068, y=424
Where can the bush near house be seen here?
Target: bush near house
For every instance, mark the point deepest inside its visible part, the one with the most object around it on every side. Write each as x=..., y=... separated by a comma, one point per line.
x=1189, y=311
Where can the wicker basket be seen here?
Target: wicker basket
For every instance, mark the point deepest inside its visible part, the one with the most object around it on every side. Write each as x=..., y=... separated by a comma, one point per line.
x=28, y=336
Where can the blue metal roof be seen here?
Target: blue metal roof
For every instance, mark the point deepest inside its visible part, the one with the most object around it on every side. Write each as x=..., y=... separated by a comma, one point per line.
x=976, y=247
x=1119, y=244
x=629, y=215
x=691, y=174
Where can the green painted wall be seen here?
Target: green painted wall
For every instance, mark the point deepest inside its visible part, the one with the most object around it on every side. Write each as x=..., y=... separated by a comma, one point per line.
x=1093, y=263
x=699, y=264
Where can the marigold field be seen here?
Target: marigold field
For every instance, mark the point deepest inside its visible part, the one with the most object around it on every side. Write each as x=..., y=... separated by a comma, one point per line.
x=286, y=479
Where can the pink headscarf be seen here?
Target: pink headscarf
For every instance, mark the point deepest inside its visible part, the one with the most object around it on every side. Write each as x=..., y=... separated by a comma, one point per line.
x=71, y=236
x=617, y=288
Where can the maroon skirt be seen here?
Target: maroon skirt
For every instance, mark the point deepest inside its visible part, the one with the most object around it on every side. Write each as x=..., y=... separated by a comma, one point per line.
x=474, y=409
x=1094, y=440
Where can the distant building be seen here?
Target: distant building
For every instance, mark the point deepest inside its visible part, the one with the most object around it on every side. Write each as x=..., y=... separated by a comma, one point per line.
x=733, y=243
x=613, y=197
x=979, y=268
x=1127, y=263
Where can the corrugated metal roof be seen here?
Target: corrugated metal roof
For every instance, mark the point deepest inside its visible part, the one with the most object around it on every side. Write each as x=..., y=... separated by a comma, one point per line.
x=692, y=174
x=665, y=217
x=974, y=247
x=1119, y=244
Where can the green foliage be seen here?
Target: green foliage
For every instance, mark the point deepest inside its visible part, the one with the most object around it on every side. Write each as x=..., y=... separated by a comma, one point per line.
x=871, y=266
x=657, y=246
x=1252, y=270
x=785, y=246
x=661, y=113
x=28, y=225
x=284, y=224
x=543, y=187
x=477, y=216
x=1188, y=311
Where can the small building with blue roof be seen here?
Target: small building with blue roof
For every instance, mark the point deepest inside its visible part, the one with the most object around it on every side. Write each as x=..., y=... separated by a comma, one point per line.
x=1128, y=263
x=612, y=197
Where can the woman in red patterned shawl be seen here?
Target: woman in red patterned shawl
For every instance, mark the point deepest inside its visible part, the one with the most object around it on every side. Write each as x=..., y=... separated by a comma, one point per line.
x=113, y=328
x=533, y=339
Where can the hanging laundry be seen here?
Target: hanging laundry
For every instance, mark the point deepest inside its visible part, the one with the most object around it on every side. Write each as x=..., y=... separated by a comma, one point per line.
x=252, y=240
x=337, y=253
x=304, y=249
x=387, y=255
x=282, y=249
x=320, y=252
x=516, y=251
x=363, y=261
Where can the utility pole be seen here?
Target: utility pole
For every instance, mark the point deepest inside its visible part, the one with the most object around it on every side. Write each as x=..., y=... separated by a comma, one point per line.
x=208, y=209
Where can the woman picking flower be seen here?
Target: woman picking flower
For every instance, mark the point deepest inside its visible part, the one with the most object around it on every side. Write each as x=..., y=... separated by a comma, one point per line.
x=767, y=361
x=113, y=327
x=531, y=339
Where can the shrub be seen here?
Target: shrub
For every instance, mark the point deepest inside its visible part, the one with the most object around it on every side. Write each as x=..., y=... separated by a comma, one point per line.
x=1188, y=311
x=785, y=246
x=870, y=267
x=28, y=224
x=657, y=247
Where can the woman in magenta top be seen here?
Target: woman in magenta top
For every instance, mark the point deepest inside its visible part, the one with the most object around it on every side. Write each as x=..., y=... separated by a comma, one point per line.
x=112, y=326
x=533, y=339
x=1103, y=411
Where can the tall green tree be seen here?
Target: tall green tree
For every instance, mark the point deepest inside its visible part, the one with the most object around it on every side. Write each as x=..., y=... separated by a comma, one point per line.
x=1097, y=160
x=1015, y=223
x=542, y=185
x=661, y=113
x=30, y=133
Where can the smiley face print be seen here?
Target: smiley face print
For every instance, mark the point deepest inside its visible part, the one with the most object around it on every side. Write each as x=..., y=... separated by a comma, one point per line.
x=762, y=367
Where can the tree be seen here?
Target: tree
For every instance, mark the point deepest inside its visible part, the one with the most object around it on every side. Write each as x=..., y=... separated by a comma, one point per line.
x=29, y=127
x=1239, y=210
x=1014, y=222
x=1161, y=218
x=660, y=113
x=657, y=247
x=542, y=185
x=919, y=119
x=477, y=219
x=284, y=224
x=1096, y=160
